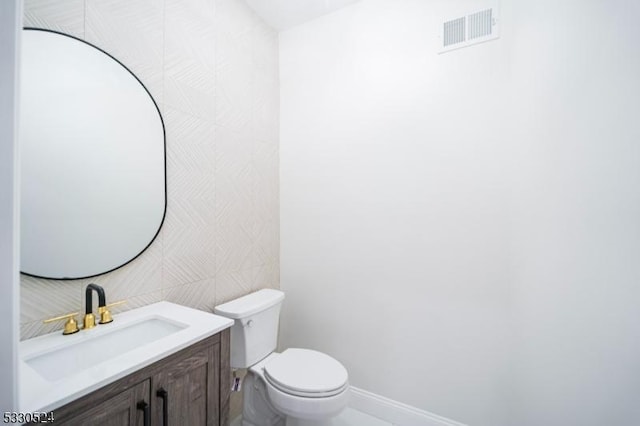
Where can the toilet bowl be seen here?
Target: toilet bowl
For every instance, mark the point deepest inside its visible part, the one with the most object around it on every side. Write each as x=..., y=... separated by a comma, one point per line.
x=281, y=388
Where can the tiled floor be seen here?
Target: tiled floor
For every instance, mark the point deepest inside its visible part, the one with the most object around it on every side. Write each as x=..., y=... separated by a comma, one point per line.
x=351, y=417
x=348, y=417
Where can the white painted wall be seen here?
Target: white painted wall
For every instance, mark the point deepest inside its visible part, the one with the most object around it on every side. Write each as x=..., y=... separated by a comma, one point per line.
x=463, y=230
x=575, y=243
x=10, y=24
x=393, y=207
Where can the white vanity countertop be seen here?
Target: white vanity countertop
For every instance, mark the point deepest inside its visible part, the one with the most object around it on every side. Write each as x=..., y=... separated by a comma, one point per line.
x=37, y=393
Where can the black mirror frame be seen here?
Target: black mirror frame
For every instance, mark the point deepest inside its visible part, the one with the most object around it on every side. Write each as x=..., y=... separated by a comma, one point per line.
x=164, y=135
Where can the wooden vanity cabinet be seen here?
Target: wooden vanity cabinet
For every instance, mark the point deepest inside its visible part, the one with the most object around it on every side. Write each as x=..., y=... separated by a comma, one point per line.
x=187, y=390
x=118, y=410
x=191, y=387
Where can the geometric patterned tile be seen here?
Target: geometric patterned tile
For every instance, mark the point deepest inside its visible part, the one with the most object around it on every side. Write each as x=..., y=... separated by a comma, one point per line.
x=234, y=249
x=235, y=217
x=189, y=56
x=231, y=285
x=266, y=249
x=266, y=276
x=143, y=275
x=189, y=229
x=266, y=181
x=234, y=151
x=41, y=299
x=138, y=301
x=219, y=91
x=191, y=150
x=189, y=237
x=233, y=79
x=265, y=107
x=234, y=245
x=37, y=328
x=198, y=295
x=132, y=32
x=267, y=245
x=63, y=16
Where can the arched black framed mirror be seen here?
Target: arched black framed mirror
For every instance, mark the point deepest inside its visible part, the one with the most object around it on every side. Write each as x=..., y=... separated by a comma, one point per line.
x=93, y=159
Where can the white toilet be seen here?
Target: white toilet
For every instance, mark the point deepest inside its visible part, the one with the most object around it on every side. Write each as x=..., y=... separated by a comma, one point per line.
x=297, y=386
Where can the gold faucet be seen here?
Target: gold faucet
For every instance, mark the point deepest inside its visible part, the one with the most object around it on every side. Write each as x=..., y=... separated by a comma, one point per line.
x=105, y=315
x=70, y=327
x=89, y=322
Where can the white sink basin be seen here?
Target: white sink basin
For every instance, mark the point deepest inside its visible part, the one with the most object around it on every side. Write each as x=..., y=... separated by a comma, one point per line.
x=73, y=358
x=55, y=369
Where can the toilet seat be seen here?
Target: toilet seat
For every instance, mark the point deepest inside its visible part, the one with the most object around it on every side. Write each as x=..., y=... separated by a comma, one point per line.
x=306, y=373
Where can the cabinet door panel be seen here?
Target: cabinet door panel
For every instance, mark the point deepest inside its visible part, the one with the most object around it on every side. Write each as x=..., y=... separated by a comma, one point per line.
x=191, y=385
x=120, y=410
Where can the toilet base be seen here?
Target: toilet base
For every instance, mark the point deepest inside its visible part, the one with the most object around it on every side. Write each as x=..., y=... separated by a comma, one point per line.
x=256, y=409
x=290, y=421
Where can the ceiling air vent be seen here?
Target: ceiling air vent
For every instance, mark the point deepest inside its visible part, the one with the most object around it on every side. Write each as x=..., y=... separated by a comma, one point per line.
x=469, y=29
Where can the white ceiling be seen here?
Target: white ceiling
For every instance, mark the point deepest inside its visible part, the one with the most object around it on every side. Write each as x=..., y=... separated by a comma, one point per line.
x=284, y=14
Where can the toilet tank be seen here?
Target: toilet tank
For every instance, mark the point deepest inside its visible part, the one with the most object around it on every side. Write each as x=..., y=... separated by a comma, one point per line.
x=254, y=333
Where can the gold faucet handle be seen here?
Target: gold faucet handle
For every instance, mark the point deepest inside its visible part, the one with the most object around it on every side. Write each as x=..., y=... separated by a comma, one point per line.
x=105, y=315
x=118, y=303
x=70, y=327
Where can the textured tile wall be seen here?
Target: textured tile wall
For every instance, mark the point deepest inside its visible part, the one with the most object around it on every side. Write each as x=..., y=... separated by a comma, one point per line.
x=212, y=66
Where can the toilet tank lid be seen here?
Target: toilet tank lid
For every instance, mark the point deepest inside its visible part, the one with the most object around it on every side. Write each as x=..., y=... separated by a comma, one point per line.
x=250, y=304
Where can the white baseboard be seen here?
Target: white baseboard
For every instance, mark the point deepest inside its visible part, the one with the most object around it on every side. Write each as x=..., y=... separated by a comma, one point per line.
x=395, y=412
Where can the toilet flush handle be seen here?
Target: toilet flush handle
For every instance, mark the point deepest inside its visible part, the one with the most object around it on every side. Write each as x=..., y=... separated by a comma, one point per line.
x=246, y=323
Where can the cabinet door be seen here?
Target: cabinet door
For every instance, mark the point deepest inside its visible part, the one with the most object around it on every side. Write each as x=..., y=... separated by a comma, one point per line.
x=188, y=389
x=124, y=409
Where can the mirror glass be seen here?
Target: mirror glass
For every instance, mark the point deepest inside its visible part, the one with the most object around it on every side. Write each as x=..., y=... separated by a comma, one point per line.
x=92, y=160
